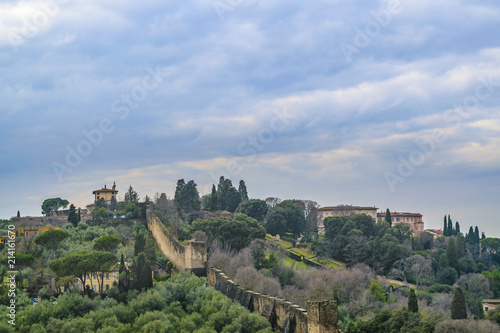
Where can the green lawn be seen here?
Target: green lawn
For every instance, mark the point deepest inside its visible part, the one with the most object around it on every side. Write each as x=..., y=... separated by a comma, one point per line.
x=298, y=264
x=330, y=263
x=304, y=253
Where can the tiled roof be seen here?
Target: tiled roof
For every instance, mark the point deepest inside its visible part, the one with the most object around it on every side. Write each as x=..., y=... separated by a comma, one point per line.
x=347, y=208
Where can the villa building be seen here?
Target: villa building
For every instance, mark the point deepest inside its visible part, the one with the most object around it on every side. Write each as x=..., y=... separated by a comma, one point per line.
x=343, y=210
x=105, y=193
x=414, y=220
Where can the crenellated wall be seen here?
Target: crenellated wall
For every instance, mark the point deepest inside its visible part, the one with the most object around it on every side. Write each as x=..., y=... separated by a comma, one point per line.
x=320, y=317
x=191, y=256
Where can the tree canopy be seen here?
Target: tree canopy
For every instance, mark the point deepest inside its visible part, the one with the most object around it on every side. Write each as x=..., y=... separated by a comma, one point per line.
x=52, y=205
x=107, y=243
x=237, y=231
x=51, y=240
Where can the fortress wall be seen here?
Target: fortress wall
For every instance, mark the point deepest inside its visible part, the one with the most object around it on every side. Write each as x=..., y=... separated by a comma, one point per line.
x=283, y=316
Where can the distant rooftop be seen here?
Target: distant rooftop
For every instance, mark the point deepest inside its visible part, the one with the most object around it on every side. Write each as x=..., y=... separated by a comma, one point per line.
x=347, y=207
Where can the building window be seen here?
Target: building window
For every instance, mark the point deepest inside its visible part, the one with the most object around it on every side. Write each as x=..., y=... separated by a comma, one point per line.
x=107, y=287
x=397, y=219
x=107, y=276
x=94, y=288
x=93, y=276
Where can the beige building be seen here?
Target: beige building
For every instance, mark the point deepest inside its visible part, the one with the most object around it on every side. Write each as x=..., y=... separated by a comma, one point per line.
x=414, y=220
x=435, y=232
x=105, y=193
x=490, y=304
x=343, y=210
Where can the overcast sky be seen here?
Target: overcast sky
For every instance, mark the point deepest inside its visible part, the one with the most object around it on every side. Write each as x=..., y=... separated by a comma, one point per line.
x=393, y=104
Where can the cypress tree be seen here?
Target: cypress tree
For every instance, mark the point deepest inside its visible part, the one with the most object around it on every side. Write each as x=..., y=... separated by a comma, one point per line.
x=445, y=227
x=140, y=244
x=483, y=235
x=147, y=275
x=470, y=236
x=179, y=195
x=79, y=215
x=388, y=217
x=458, y=307
x=460, y=246
x=450, y=227
x=224, y=192
x=243, y=191
x=72, y=216
x=139, y=279
x=476, y=235
x=191, y=197
x=443, y=261
x=18, y=214
x=213, y=200
x=123, y=282
x=451, y=253
x=412, y=301
x=457, y=228
x=219, y=186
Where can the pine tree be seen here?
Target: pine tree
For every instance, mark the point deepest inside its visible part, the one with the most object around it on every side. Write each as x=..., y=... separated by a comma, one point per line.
x=140, y=243
x=213, y=200
x=131, y=195
x=458, y=307
x=72, y=216
x=18, y=214
x=243, y=191
x=388, y=217
x=445, y=227
x=457, y=228
x=412, y=301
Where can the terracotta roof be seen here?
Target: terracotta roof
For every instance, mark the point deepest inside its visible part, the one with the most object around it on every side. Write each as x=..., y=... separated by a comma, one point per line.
x=347, y=207
x=397, y=214
x=436, y=231
x=105, y=190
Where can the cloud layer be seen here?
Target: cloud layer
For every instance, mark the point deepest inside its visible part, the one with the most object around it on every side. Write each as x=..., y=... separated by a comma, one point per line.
x=387, y=103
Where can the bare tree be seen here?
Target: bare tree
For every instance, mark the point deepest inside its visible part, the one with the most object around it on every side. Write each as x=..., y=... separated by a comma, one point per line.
x=272, y=201
x=416, y=265
x=344, y=210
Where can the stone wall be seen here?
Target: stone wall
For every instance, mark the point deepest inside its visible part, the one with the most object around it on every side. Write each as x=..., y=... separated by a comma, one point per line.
x=320, y=317
x=191, y=256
